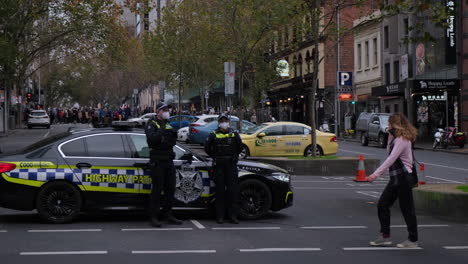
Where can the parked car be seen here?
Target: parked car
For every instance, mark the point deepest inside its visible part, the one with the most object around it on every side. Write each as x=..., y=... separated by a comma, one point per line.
x=203, y=120
x=285, y=139
x=88, y=169
x=182, y=134
x=38, y=118
x=373, y=127
x=185, y=121
x=141, y=121
x=198, y=135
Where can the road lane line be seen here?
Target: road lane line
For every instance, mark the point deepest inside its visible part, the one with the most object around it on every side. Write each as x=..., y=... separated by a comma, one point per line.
x=337, y=188
x=371, y=194
x=64, y=230
x=404, y=226
x=457, y=247
x=63, y=253
x=278, y=249
x=46, y=134
x=3, y=231
x=210, y=251
x=448, y=167
x=197, y=224
x=443, y=179
x=333, y=227
x=247, y=228
x=158, y=229
x=356, y=152
x=377, y=248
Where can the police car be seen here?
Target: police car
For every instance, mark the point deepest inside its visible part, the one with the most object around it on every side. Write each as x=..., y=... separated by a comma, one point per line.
x=79, y=170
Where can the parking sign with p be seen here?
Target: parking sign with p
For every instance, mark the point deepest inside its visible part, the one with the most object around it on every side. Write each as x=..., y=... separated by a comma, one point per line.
x=345, y=78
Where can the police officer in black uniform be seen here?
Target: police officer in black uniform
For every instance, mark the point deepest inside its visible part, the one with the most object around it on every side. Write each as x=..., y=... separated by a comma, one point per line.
x=224, y=146
x=161, y=139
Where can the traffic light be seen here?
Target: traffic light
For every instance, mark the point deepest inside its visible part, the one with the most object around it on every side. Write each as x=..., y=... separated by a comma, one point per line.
x=353, y=102
x=28, y=97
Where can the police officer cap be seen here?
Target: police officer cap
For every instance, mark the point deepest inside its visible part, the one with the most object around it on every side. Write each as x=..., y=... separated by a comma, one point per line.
x=162, y=106
x=221, y=116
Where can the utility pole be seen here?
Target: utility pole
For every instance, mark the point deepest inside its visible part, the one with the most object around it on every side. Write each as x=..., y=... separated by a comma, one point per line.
x=338, y=68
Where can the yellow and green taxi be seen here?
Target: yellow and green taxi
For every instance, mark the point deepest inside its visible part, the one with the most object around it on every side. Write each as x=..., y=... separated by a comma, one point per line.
x=285, y=139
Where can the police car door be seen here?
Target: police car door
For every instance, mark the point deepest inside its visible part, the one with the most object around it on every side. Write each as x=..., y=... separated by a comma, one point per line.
x=192, y=179
x=103, y=164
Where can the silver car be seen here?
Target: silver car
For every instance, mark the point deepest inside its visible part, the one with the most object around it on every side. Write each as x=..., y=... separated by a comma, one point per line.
x=38, y=118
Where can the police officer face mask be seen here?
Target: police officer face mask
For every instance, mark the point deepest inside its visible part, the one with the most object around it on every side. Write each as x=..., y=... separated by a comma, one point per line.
x=224, y=125
x=166, y=115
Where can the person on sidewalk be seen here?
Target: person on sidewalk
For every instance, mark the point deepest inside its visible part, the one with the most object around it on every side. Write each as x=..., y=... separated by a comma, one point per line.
x=400, y=164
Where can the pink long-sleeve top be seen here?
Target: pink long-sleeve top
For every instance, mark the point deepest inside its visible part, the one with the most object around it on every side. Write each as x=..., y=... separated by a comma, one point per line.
x=401, y=149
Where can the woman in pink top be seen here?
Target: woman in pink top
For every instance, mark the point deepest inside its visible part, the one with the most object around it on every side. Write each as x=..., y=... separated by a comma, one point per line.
x=400, y=164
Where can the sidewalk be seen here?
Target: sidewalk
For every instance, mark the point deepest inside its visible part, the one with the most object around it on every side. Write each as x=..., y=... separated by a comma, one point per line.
x=424, y=145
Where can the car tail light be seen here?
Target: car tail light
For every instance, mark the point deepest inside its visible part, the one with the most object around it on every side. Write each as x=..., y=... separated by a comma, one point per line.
x=193, y=130
x=4, y=167
x=194, y=124
x=45, y=117
x=333, y=139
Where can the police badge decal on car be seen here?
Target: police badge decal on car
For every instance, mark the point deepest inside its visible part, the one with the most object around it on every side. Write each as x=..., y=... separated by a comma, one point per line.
x=189, y=184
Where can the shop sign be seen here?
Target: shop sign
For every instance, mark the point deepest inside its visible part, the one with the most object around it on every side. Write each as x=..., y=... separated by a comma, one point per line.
x=433, y=98
x=390, y=89
x=450, y=36
x=425, y=85
x=345, y=97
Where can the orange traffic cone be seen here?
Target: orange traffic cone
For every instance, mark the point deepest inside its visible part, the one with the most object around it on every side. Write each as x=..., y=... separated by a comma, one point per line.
x=361, y=173
x=422, y=173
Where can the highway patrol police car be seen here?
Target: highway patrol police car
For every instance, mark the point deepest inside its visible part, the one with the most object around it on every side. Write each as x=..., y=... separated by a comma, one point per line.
x=66, y=174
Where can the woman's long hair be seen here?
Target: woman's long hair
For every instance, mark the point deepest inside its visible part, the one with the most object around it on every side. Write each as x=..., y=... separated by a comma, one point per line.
x=402, y=127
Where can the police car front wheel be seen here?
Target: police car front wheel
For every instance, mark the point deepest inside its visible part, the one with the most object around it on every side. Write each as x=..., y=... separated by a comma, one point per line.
x=58, y=202
x=255, y=198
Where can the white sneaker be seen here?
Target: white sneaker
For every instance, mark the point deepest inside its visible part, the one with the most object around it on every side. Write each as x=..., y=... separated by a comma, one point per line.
x=381, y=242
x=407, y=244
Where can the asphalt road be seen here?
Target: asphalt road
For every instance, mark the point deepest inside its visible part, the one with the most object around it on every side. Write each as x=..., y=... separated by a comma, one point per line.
x=332, y=221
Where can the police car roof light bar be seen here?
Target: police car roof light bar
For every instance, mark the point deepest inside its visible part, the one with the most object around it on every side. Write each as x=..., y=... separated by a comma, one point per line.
x=122, y=125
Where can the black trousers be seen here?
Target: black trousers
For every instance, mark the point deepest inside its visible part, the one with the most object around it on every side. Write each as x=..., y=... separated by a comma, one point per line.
x=163, y=178
x=398, y=189
x=227, y=188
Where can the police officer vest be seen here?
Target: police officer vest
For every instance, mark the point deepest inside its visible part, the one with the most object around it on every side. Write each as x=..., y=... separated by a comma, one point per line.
x=224, y=145
x=168, y=139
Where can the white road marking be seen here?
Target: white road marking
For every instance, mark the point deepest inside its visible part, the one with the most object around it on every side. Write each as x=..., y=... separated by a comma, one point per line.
x=247, y=228
x=333, y=227
x=356, y=152
x=377, y=248
x=321, y=181
x=158, y=229
x=371, y=194
x=63, y=253
x=457, y=247
x=173, y=251
x=197, y=224
x=337, y=188
x=3, y=231
x=46, y=134
x=404, y=226
x=365, y=184
x=278, y=249
x=443, y=166
x=64, y=230
x=443, y=179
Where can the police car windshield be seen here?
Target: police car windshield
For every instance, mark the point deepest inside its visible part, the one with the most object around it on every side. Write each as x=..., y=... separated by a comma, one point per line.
x=254, y=129
x=44, y=142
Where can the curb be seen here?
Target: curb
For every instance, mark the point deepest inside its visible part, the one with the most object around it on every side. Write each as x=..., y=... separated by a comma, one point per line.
x=337, y=167
x=416, y=147
x=442, y=201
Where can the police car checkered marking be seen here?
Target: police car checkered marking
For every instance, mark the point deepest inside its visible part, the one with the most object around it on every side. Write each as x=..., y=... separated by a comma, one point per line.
x=78, y=176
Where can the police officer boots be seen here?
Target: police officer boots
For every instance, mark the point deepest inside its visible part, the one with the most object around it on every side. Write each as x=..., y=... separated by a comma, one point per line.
x=169, y=217
x=154, y=221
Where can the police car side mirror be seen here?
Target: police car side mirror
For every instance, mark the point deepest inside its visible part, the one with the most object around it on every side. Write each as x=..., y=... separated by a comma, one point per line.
x=260, y=135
